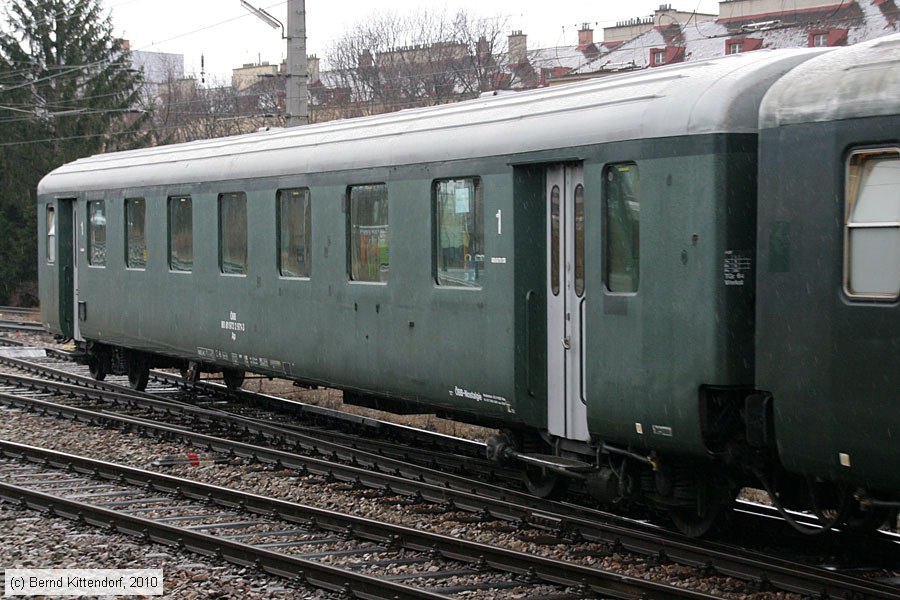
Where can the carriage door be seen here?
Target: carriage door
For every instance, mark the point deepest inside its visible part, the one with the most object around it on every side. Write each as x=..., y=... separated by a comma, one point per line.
x=77, y=245
x=567, y=407
x=66, y=246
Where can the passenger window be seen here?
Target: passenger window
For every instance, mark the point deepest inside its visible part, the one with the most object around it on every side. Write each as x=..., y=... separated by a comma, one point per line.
x=97, y=233
x=51, y=235
x=872, y=225
x=233, y=233
x=294, y=233
x=135, y=233
x=181, y=233
x=369, y=233
x=622, y=229
x=459, y=219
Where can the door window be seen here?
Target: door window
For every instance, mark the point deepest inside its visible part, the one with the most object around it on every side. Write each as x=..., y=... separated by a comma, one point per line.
x=97, y=233
x=555, y=232
x=51, y=235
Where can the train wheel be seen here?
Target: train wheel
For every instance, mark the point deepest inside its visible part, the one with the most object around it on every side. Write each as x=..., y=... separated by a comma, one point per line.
x=97, y=367
x=233, y=378
x=544, y=484
x=714, y=499
x=138, y=373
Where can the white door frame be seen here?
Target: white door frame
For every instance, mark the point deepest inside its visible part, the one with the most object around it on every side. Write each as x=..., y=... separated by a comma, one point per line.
x=566, y=398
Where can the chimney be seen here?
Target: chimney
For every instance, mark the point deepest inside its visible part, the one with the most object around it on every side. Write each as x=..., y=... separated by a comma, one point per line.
x=312, y=64
x=365, y=59
x=518, y=48
x=482, y=48
x=585, y=36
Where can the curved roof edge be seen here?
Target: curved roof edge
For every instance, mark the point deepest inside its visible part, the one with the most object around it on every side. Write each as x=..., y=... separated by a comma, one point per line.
x=715, y=96
x=844, y=83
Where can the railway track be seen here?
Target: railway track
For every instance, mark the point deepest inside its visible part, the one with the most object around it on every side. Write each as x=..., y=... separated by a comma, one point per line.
x=21, y=326
x=365, y=469
x=290, y=540
x=13, y=318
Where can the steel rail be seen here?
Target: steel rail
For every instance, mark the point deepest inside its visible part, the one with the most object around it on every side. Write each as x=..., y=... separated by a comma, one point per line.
x=14, y=325
x=19, y=310
x=373, y=428
x=545, y=569
x=749, y=566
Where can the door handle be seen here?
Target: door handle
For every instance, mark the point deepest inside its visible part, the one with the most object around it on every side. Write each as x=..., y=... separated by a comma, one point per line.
x=567, y=342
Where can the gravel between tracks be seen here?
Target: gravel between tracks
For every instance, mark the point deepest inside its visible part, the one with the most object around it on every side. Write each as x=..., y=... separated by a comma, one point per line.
x=115, y=446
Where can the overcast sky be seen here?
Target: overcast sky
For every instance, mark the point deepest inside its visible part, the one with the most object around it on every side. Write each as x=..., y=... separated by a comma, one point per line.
x=229, y=36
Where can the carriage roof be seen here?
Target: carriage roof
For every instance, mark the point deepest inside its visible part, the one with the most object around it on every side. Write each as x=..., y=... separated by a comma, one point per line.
x=714, y=96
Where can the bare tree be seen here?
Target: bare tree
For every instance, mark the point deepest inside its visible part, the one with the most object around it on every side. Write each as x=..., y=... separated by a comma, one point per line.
x=391, y=61
x=186, y=111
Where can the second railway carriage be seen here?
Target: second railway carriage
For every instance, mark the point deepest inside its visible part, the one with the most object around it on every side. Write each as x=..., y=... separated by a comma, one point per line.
x=575, y=265
x=828, y=307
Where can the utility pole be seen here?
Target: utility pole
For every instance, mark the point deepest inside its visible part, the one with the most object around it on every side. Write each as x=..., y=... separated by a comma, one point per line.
x=297, y=67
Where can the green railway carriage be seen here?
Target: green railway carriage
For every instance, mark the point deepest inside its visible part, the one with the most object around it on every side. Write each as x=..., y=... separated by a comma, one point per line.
x=575, y=265
x=829, y=248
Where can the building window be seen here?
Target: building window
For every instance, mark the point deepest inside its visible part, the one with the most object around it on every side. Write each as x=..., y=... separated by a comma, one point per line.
x=135, y=233
x=233, y=233
x=181, y=233
x=459, y=227
x=622, y=229
x=51, y=235
x=97, y=233
x=657, y=57
x=294, y=233
x=872, y=225
x=831, y=37
x=734, y=48
x=368, y=233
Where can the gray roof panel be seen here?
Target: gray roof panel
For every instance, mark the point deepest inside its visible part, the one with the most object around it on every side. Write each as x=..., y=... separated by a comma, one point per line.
x=715, y=96
x=852, y=82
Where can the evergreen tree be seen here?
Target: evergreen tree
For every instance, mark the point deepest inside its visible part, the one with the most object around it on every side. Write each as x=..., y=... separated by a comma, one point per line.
x=67, y=90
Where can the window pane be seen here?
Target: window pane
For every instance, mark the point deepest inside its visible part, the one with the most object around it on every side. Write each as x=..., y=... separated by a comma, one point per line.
x=623, y=229
x=51, y=234
x=294, y=233
x=97, y=233
x=872, y=261
x=233, y=233
x=135, y=233
x=554, y=240
x=181, y=234
x=460, y=233
x=875, y=261
x=369, y=234
x=579, y=240
x=879, y=192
